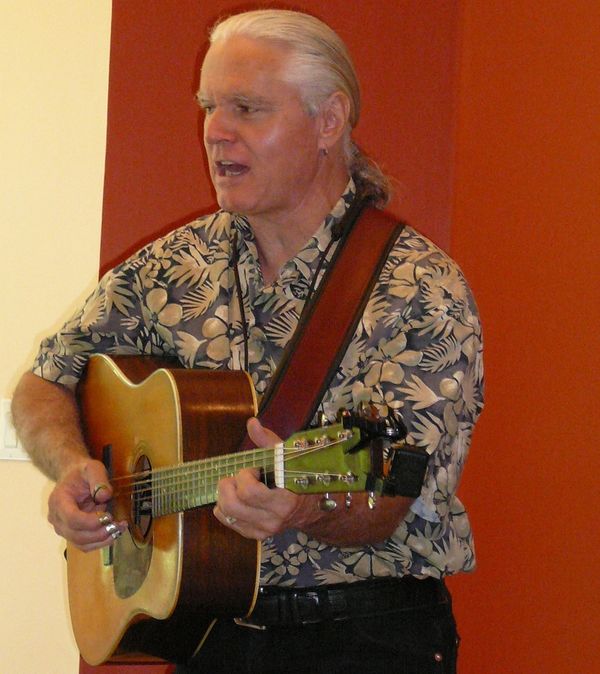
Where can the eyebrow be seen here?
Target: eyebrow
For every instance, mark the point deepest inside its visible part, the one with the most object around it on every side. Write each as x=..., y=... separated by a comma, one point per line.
x=239, y=99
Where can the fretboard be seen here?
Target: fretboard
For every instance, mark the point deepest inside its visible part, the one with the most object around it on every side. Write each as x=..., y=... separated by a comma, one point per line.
x=194, y=484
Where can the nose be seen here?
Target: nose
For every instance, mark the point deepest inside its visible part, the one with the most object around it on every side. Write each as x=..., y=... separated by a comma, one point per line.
x=218, y=127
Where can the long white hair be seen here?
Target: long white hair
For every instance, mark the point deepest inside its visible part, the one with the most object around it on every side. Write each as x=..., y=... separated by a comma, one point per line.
x=319, y=66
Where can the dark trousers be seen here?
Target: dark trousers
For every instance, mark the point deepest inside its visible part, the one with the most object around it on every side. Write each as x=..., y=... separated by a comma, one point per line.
x=415, y=640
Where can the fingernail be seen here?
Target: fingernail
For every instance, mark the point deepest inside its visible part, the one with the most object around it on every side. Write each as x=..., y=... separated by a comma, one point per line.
x=97, y=488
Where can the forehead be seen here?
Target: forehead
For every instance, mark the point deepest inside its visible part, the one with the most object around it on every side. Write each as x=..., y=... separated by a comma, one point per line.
x=244, y=64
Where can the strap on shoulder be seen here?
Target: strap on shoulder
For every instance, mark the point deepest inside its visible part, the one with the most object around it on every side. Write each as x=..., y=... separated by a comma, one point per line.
x=328, y=325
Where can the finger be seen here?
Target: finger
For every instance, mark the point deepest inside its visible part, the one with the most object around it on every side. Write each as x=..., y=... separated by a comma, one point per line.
x=84, y=482
x=257, y=510
x=76, y=525
x=89, y=544
x=95, y=546
x=250, y=489
x=247, y=529
x=260, y=435
x=107, y=534
x=246, y=497
x=227, y=520
x=85, y=526
x=94, y=473
x=65, y=512
x=237, y=494
x=228, y=506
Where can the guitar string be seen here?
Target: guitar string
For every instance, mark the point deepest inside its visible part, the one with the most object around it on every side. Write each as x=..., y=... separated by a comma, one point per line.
x=251, y=458
x=178, y=501
x=208, y=485
x=223, y=458
x=143, y=484
x=188, y=472
x=181, y=500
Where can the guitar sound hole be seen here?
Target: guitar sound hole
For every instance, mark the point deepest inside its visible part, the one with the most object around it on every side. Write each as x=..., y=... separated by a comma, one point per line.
x=141, y=505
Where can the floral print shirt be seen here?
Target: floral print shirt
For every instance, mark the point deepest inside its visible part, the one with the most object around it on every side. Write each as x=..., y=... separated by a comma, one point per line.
x=416, y=350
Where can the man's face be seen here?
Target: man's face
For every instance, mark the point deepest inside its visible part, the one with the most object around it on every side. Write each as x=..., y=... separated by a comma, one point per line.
x=261, y=144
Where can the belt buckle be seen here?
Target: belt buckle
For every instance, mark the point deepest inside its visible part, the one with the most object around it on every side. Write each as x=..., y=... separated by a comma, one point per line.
x=312, y=614
x=317, y=607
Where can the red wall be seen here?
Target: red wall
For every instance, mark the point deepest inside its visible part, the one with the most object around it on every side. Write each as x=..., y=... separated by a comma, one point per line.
x=155, y=174
x=526, y=228
x=487, y=113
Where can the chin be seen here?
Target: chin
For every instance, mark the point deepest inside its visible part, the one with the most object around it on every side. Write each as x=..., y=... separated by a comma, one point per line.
x=233, y=206
x=236, y=204
x=227, y=199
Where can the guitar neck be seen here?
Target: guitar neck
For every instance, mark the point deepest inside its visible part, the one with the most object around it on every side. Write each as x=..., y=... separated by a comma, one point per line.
x=315, y=461
x=194, y=483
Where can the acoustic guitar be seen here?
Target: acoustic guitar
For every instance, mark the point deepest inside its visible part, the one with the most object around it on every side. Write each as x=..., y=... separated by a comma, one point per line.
x=167, y=436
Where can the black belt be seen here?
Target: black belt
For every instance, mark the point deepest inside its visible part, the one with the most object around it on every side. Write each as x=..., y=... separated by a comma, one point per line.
x=285, y=607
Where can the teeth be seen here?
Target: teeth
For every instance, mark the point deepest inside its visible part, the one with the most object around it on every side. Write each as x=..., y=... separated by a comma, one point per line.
x=225, y=164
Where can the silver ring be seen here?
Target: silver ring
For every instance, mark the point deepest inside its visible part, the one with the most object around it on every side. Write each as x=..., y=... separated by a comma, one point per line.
x=230, y=520
x=112, y=529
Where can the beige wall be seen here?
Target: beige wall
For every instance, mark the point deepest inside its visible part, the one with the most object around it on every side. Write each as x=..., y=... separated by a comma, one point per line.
x=53, y=79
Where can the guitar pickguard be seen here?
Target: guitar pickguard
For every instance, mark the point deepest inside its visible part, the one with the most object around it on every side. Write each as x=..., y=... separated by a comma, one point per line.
x=131, y=563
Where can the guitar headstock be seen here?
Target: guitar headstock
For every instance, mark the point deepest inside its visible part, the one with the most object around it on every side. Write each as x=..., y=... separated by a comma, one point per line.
x=324, y=459
x=363, y=452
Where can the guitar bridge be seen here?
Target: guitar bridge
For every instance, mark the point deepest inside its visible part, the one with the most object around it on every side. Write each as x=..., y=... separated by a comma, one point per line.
x=141, y=509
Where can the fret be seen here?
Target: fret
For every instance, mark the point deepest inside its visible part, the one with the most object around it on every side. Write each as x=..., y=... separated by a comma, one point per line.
x=194, y=484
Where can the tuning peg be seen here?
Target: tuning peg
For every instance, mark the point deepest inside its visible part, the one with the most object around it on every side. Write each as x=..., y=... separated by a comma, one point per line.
x=372, y=498
x=327, y=504
x=348, y=500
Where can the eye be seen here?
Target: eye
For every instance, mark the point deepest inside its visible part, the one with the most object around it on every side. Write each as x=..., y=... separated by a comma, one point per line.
x=205, y=105
x=246, y=109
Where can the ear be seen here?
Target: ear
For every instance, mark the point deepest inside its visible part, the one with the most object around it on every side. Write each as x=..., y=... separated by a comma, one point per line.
x=334, y=115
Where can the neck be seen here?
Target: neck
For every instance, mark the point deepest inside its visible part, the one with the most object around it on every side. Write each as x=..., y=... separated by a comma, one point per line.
x=280, y=237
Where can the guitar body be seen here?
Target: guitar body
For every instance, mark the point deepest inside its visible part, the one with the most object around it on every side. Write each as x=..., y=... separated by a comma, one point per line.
x=159, y=588
x=166, y=437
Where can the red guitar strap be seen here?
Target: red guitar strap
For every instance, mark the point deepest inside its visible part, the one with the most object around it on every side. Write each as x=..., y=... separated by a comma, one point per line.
x=328, y=323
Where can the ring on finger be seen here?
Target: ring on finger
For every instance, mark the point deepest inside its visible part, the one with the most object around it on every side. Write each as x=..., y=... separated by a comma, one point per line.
x=113, y=530
x=104, y=518
x=230, y=520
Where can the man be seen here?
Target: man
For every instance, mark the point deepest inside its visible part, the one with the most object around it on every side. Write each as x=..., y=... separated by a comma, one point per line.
x=280, y=99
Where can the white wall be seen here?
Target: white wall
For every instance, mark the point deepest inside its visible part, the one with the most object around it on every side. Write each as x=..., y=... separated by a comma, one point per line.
x=53, y=92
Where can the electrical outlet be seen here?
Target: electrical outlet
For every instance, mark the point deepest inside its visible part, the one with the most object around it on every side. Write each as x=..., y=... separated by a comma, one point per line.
x=10, y=447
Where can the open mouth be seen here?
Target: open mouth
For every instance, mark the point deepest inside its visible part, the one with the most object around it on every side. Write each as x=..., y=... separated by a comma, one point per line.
x=230, y=169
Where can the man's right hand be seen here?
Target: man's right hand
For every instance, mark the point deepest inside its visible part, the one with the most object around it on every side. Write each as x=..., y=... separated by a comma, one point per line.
x=77, y=507
x=46, y=417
